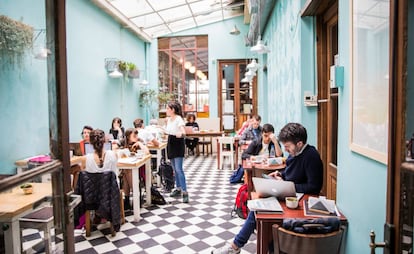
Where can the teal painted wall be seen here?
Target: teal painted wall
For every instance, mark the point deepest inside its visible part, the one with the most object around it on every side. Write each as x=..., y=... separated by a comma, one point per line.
x=290, y=68
x=94, y=97
x=24, y=119
x=221, y=45
x=361, y=186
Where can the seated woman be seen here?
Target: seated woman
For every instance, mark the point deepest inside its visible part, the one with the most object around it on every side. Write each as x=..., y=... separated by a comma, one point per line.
x=100, y=160
x=191, y=143
x=133, y=143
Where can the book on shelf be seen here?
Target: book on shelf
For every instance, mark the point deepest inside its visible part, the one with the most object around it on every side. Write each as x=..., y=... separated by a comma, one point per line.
x=320, y=207
x=265, y=205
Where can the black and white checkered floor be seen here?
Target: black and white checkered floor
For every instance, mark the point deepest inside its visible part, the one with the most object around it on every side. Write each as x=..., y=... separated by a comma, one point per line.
x=197, y=227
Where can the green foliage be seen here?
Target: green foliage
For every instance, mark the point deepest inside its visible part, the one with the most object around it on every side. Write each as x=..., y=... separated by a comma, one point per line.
x=165, y=97
x=15, y=39
x=25, y=185
x=147, y=97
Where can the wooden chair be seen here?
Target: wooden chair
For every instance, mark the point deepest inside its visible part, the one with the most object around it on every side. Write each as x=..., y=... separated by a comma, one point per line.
x=96, y=184
x=226, y=146
x=289, y=242
x=205, y=143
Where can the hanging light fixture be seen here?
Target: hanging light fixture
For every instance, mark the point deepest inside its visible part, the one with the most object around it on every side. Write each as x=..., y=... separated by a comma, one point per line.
x=235, y=31
x=187, y=65
x=41, y=52
x=260, y=47
x=192, y=69
x=253, y=65
x=116, y=74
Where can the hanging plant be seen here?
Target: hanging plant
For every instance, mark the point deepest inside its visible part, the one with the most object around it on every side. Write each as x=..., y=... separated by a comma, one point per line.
x=129, y=70
x=15, y=39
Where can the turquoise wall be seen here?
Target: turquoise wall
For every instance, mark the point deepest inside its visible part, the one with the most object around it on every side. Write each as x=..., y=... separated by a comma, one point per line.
x=221, y=45
x=94, y=97
x=361, y=186
x=24, y=119
x=290, y=68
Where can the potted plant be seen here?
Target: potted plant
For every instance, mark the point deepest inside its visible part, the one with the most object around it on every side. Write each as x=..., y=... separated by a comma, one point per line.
x=146, y=99
x=15, y=39
x=128, y=69
x=27, y=188
x=164, y=98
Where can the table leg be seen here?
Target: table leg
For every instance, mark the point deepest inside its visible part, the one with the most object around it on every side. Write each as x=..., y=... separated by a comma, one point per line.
x=264, y=236
x=136, y=200
x=159, y=155
x=12, y=237
x=249, y=181
x=218, y=154
x=148, y=181
x=236, y=148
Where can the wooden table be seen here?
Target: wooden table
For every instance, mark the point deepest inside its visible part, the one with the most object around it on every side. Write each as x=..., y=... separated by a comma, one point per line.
x=158, y=155
x=204, y=134
x=15, y=204
x=257, y=169
x=146, y=160
x=264, y=223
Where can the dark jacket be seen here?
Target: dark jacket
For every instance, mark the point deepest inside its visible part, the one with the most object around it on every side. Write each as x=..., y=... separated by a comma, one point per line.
x=254, y=148
x=250, y=134
x=100, y=192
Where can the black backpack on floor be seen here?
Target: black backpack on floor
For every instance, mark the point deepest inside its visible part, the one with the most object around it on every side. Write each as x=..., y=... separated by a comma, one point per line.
x=166, y=172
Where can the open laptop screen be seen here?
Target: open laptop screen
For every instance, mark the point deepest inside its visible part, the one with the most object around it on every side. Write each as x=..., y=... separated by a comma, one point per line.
x=89, y=147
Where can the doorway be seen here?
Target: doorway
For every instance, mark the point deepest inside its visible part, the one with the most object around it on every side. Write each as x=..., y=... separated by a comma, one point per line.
x=327, y=32
x=236, y=98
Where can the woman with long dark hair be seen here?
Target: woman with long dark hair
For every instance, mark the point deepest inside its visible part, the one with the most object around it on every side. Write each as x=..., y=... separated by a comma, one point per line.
x=100, y=160
x=176, y=147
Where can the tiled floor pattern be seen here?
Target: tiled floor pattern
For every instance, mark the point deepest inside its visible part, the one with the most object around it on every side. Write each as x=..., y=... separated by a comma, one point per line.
x=196, y=227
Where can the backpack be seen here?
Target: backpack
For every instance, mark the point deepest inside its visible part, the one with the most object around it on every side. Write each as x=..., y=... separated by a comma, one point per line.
x=156, y=197
x=237, y=175
x=240, y=205
x=166, y=172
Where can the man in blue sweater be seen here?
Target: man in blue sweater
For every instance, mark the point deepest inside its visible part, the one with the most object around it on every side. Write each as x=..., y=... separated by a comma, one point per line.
x=303, y=167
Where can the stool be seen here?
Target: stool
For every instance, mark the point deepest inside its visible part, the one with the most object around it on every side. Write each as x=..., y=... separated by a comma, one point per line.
x=205, y=144
x=225, y=142
x=41, y=219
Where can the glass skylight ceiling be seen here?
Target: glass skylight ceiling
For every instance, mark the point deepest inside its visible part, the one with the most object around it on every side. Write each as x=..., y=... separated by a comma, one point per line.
x=156, y=18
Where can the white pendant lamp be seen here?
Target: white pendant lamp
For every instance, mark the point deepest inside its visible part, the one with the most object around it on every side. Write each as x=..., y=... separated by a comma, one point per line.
x=253, y=65
x=235, y=31
x=260, y=47
x=116, y=74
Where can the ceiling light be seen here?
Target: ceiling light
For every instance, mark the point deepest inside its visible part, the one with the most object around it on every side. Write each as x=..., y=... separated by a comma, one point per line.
x=253, y=65
x=42, y=53
x=250, y=73
x=245, y=80
x=115, y=74
x=260, y=47
x=235, y=31
x=192, y=69
x=187, y=65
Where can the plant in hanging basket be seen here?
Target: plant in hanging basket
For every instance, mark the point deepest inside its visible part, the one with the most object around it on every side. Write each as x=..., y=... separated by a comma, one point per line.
x=128, y=69
x=15, y=39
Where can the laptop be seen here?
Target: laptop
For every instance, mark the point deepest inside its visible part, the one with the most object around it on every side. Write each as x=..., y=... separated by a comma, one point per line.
x=89, y=147
x=277, y=188
x=189, y=129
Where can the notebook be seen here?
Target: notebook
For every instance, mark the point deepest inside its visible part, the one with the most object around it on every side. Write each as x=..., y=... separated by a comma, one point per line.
x=89, y=147
x=277, y=188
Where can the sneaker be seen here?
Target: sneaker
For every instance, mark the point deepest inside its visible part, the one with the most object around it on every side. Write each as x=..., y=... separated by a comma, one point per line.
x=185, y=197
x=226, y=249
x=175, y=193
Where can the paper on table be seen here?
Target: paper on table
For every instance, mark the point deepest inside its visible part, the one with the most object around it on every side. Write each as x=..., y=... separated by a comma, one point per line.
x=128, y=160
x=270, y=204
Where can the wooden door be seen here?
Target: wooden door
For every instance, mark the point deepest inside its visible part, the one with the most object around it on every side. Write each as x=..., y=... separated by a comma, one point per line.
x=327, y=29
x=398, y=228
x=236, y=99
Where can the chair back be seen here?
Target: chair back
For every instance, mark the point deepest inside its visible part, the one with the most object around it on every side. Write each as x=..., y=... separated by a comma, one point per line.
x=289, y=242
x=226, y=141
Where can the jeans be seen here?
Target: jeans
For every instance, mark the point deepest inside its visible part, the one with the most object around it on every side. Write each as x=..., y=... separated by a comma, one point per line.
x=246, y=231
x=177, y=164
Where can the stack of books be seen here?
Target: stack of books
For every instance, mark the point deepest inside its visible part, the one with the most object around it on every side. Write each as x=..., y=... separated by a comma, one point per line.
x=320, y=207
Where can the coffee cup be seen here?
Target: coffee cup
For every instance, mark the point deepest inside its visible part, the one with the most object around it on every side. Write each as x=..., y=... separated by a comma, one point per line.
x=292, y=202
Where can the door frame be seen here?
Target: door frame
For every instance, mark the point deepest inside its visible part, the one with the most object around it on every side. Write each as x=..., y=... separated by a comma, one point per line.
x=328, y=15
x=397, y=111
x=238, y=117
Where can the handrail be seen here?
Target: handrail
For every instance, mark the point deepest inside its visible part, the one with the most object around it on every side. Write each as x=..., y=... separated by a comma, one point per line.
x=10, y=182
